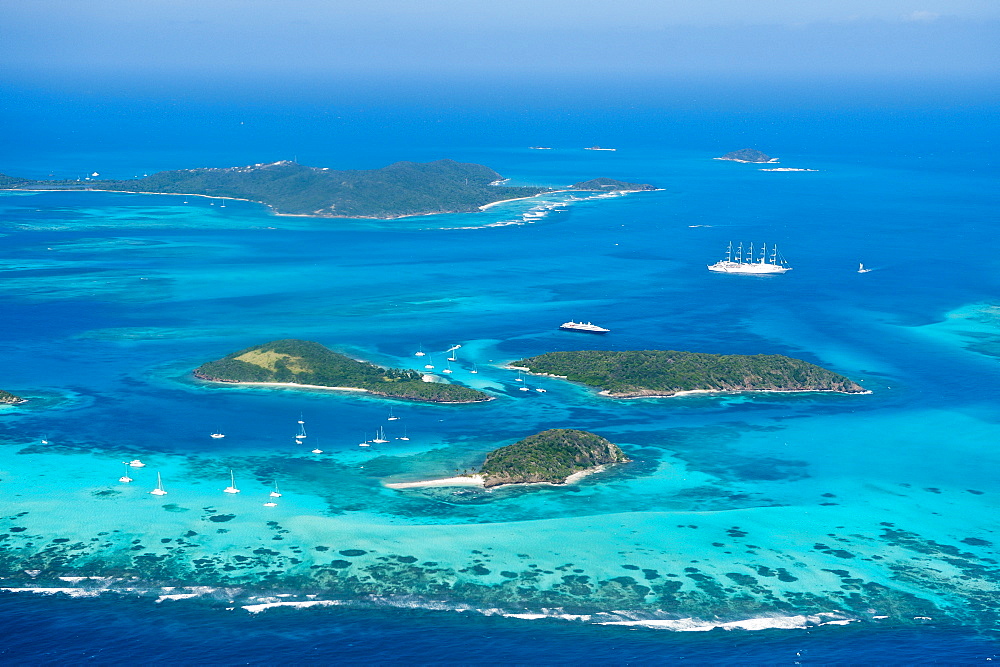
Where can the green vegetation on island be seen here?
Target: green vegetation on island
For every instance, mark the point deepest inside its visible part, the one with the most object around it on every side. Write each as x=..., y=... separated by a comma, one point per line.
x=10, y=399
x=309, y=363
x=632, y=374
x=398, y=190
x=748, y=155
x=549, y=456
x=610, y=184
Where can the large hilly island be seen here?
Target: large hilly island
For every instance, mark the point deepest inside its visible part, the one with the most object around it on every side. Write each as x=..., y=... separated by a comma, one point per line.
x=550, y=456
x=633, y=374
x=288, y=188
x=303, y=362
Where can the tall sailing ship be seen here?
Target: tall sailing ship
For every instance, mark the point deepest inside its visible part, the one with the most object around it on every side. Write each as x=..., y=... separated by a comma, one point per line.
x=740, y=260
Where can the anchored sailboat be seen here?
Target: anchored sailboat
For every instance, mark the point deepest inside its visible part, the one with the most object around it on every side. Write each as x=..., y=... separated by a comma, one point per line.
x=158, y=491
x=380, y=436
x=745, y=261
x=420, y=351
x=125, y=479
x=302, y=429
x=862, y=269
x=275, y=493
x=392, y=417
x=232, y=484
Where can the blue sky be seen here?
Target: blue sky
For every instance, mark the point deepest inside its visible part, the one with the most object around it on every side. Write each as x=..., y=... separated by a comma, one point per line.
x=454, y=38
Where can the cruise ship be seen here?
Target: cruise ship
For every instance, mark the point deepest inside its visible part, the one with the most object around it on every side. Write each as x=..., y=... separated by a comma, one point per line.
x=585, y=327
x=745, y=261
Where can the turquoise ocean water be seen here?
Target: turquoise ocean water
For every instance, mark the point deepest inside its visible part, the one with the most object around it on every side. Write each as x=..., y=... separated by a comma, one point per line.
x=816, y=514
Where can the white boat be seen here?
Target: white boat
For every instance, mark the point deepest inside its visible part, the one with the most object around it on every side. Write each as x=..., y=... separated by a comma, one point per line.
x=302, y=430
x=584, y=327
x=431, y=364
x=275, y=493
x=746, y=262
x=540, y=390
x=158, y=491
x=447, y=368
x=125, y=479
x=403, y=437
x=392, y=417
x=232, y=484
x=270, y=503
x=365, y=443
x=475, y=369
x=454, y=353
x=218, y=435
x=420, y=351
x=379, y=436
x=862, y=269
x=136, y=463
x=317, y=451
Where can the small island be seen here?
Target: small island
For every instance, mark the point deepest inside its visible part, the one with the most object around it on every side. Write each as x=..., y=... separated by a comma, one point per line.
x=611, y=185
x=304, y=363
x=7, y=398
x=748, y=155
x=555, y=456
x=664, y=373
x=288, y=188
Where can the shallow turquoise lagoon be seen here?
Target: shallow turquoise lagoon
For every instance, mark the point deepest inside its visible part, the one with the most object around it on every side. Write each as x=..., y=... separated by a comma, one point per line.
x=798, y=509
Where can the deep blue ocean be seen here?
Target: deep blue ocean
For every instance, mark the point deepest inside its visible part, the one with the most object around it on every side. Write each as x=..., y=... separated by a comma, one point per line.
x=761, y=529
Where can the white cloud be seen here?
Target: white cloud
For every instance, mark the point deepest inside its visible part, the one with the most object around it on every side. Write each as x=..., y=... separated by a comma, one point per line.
x=922, y=16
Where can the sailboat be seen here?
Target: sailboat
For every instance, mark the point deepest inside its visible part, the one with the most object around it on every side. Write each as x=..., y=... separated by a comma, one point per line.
x=365, y=443
x=403, y=437
x=380, y=436
x=218, y=434
x=317, y=450
x=232, y=484
x=275, y=493
x=431, y=364
x=125, y=479
x=454, y=353
x=749, y=263
x=420, y=351
x=158, y=491
x=448, y=367
x=520, y=377
x=302, y=430
x=223, y=204
x=475, y=369
x=862, y=269
x=392, y=417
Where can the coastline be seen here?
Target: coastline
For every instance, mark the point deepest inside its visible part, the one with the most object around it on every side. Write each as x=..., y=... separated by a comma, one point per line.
x=688, y=392
x=295, y=385
x=480, y=481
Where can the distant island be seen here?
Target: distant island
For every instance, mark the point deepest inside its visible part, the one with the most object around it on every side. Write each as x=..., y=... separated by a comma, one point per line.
x=305, y=363
x=8, y=398
x=610, y=184
x=555, y=456
x=662, y=373
x=748, y=155
x=287, y=188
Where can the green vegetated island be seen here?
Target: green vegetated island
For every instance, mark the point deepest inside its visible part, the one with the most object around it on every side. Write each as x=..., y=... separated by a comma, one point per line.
x=310, y=364
x=649, y=373
x=398, y=190
x=7, y=398
x=555, y=456
x=748, y=155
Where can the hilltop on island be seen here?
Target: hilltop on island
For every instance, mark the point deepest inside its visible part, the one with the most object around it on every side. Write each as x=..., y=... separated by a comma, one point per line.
x=634, y=374
x=748, y=155
x=550, y=456
x=7, y=398
x=555, y=456
x=398, y=190
x=306, y=363
x=610, y=184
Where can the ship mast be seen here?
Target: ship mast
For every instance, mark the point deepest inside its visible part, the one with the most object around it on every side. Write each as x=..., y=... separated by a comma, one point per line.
x=763, y=252
x=729, y=253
